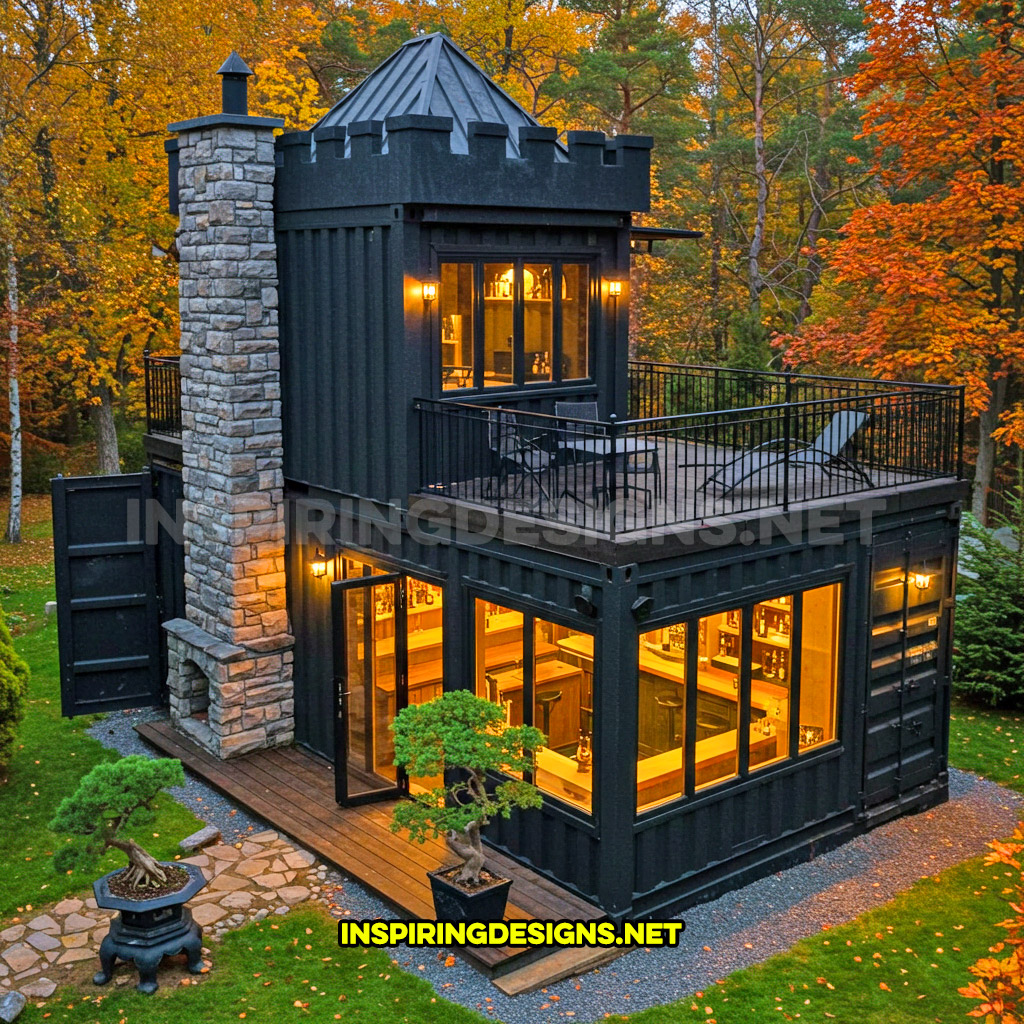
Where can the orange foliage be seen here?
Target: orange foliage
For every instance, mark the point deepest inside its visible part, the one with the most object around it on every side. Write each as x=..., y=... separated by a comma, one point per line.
x=1000, y=985
x=929, y=282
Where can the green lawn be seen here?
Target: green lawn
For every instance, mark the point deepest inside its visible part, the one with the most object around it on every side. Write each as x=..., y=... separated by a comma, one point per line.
x=899, y=964
x=53, y=753
x=282, y=969
x=988, y=742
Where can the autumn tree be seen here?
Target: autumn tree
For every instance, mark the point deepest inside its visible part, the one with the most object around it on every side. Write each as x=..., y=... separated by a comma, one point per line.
x=928, y=282
x=108, y=77
x=779, y=138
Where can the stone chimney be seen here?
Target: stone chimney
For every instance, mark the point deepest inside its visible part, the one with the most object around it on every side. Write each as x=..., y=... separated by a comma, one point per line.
x=230, y=659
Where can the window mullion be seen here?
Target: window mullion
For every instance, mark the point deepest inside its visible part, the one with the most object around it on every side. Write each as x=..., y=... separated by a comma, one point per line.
x=797, y=641
x=518, y=345
x=743, y=724
x=556, y=320
x=690, y=719
x=478, y=324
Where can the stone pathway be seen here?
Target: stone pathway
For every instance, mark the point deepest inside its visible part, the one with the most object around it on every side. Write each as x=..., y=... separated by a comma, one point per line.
x=261, y=875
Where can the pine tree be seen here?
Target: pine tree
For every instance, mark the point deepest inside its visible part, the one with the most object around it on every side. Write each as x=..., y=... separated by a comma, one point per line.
x=111, y=798
x=989, y=648
x=13, y=694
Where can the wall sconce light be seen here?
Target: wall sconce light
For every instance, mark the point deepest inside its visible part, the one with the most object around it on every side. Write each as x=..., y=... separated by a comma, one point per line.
x=318, y=565
x=583, y=601
x=614, y=289
x=921, y=580
x=430, y=286
x=642, y=608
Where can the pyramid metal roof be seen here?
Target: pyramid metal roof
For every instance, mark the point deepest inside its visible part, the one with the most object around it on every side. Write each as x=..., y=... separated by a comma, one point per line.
x=431, y=75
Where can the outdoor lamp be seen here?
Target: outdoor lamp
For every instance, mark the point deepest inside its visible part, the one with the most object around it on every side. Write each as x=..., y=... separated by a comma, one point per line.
x=583, y=600
x=614, y=289
x=429, y=289
x=318, y=566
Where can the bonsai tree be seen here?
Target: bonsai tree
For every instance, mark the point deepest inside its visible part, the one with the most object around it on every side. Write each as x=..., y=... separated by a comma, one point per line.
x=468, y=737
x=13, y=693
x=111, y=798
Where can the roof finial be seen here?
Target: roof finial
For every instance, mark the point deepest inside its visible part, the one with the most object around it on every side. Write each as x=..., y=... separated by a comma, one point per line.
x=234, y=87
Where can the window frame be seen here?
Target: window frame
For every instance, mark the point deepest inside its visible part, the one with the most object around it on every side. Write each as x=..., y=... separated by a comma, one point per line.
x=477, y=258
x=530, y=615
x=745, y=775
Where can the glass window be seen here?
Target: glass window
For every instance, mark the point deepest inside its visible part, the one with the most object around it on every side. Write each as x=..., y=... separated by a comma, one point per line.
x=818, y=666
x=499, y=658
x=770, y=681
x=538, y=321
x=533, y=325
x=561, y=681
x=661, y=723
x=669, y=745
x=563, y=709
x=499, y=323
x=456, y=325
x=719, y=643
x=575, y=320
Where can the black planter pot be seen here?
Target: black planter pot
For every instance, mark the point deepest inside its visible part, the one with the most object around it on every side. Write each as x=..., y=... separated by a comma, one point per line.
x=452, y=903
x=148, y=930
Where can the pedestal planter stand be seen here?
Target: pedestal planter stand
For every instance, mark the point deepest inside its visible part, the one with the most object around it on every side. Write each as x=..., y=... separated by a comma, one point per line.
x=146, y=931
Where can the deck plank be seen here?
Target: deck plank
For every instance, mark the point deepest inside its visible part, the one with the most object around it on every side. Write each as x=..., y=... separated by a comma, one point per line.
x=294, y=791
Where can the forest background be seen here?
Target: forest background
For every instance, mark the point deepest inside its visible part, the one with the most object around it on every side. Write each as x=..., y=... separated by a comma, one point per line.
x=854, y=168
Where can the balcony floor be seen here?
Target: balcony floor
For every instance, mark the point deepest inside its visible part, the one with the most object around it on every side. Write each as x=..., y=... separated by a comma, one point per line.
x=673, y=489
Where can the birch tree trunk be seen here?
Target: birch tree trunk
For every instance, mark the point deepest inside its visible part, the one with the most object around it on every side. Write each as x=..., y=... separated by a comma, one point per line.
x=13, y=533
x=102, y=415
x=755, y=283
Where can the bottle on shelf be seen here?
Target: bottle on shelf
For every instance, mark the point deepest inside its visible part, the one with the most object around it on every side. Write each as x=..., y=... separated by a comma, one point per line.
x=782, y=666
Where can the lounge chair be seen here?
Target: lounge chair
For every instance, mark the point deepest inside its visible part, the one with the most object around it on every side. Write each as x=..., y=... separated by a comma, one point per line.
x=767, y=460
x=517, y=456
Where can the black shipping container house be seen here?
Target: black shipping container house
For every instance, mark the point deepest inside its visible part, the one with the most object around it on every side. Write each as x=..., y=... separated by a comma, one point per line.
x=724, y=596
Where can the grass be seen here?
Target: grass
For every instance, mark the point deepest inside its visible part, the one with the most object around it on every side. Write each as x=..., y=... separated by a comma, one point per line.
x=988, y=742
x=899, y=964
x=52, y=753
x=288, y=969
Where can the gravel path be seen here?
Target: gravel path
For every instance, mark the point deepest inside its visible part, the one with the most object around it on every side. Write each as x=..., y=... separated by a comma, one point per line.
x=771, y=914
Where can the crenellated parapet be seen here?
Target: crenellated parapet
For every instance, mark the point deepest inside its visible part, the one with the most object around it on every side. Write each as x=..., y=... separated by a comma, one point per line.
x=409, y=159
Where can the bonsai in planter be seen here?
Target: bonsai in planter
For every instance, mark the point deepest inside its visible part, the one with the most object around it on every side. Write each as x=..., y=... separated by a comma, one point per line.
x=153, y=920
x=460, y=738
x=111, y=798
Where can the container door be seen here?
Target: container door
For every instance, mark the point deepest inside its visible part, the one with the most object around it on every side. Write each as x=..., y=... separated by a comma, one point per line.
x=108, y=613
x=908, y=669
x=369, y=620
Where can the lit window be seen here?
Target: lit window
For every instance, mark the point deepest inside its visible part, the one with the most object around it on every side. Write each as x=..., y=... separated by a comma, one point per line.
x=532, y=325
x=457, y=354
x=716, y=750
x=555, y=693
x=818, y=666
x=771, y=679
x=661, y=727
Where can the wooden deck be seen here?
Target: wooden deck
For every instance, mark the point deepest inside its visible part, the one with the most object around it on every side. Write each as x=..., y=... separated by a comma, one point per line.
x=672, y=489
x=294, y=792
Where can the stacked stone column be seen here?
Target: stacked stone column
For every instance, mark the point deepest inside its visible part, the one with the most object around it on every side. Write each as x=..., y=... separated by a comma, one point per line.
x=233, y=652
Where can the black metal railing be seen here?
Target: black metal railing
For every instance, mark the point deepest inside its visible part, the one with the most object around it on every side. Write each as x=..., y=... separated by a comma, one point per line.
x=163, y=394
x=672, y=389
x=806, y=438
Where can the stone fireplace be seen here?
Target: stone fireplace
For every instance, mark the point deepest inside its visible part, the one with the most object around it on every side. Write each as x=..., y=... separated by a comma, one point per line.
x=230, y=658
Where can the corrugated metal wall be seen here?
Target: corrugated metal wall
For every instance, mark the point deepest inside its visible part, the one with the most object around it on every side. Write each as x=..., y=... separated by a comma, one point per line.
x=343, y=398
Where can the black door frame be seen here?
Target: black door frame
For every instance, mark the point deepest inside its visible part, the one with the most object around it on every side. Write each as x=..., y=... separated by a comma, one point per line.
x=339, y=588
